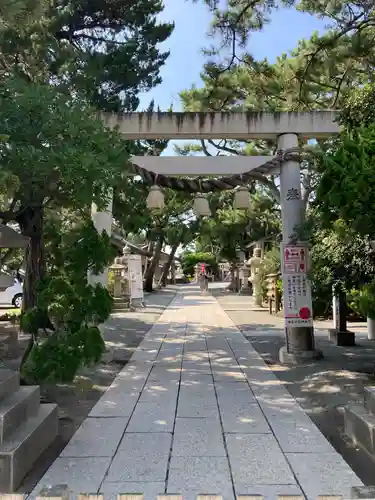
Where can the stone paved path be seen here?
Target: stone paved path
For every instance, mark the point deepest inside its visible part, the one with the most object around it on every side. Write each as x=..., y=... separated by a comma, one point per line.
x=196, y=410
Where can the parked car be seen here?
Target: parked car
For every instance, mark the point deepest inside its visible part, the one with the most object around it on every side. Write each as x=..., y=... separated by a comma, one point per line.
x=12, y=296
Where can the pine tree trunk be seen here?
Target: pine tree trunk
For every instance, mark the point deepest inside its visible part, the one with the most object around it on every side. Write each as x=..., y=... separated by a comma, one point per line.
x=149, y=276
x=31, y=224
x=167, y=266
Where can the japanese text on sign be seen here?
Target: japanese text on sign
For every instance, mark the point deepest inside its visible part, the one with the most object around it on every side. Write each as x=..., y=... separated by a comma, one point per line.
x=295, y=258
x=297, y=300
x=296, y=287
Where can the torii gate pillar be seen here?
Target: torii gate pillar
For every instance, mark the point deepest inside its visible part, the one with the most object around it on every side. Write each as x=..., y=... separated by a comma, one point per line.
x=300, y=344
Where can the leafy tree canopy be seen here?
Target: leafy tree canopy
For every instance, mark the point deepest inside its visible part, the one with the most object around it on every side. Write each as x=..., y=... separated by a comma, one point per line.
x=56, y=152
x=107, y=50
x=347, y=186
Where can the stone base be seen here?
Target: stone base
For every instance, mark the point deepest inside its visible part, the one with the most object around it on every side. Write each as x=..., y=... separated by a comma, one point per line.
x=295, y=358
x=341, y=338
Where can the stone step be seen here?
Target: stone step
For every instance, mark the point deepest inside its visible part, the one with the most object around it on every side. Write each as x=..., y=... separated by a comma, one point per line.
x=20, y=450
x=9, y=382
x=120, y=306
x=360, y=427
x=17, y=408
x=370, y=399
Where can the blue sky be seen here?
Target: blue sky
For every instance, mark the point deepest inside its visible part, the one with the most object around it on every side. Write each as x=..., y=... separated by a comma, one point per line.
x=185, y=62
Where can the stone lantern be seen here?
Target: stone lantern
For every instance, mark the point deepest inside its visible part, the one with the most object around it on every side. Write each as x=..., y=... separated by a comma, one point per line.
x=118, y=269
x=255, y=263
x=245, y=271
x=121, y=283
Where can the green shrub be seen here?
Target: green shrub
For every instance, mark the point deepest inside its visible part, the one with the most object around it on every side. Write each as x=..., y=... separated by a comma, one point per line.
x=74, y=312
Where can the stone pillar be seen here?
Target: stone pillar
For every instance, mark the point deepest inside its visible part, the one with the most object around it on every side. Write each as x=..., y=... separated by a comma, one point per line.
x=102, y=222
x=300, y=345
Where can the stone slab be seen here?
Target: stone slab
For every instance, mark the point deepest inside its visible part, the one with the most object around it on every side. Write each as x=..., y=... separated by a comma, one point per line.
x=96, y=437
x=229, y=394
x=256, y=459
x=203, y=474
x=160, y=391
x=115, y=404
x=269, y=492
x=296, y=432
x=150, y=491
x=198, y=437
x=153, y=417
x=162, y=373
x=198, y=406
x=243, y=418
x=81, y=474
x=141, y=457
x=230, y=374
x=323, y=474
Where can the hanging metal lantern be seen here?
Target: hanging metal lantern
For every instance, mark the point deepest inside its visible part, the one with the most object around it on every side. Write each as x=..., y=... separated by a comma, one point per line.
x=201, y=206
x=241, y=199
x=155, y=198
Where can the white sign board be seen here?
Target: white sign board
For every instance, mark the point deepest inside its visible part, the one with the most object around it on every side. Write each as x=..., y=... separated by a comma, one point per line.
x=296, y=289
x=135, y=277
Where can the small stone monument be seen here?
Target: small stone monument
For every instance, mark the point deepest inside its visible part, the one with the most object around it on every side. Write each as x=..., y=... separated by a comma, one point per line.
x=255, y=263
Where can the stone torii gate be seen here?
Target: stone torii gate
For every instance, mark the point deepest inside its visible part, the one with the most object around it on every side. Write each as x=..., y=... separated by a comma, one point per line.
x=288, y=129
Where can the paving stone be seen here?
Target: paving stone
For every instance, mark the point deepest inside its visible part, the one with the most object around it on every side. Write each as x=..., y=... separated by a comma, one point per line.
x=198, y=437
x=294, y=430
x=229, y=394
x=256, y=459
x=162, y=373
x=153, y=417
x=196, y=357
x=96, y=437
x=227, y=363
x=243, y=418
x=261, y=378
x=232, y=374
x=180, y=488
x=142, y=457
x=80, y=474
x=133, y=371
x=160, y=391
x=150, y=491
x=269, y=492
x=323, y=474
x=197, y=406
x=203, y=474
x=115, y=403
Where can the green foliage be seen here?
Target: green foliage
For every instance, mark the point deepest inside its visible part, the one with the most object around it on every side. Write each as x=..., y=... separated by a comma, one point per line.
x=69, y=149
x=271, y=265
x=347, y=185
x=190, y=259
x=338, y=254
x=358, y=109
x=75, y=312
x=75, y=247
x=67, y=306
x=106, y=50
x=363, y=300
x=229, y=230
